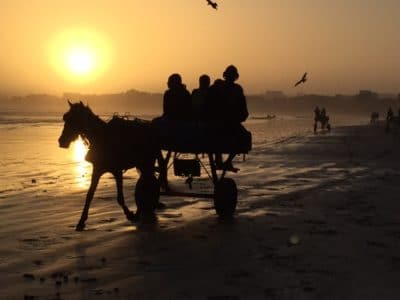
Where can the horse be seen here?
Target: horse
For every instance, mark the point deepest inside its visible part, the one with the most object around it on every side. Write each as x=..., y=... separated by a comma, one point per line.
x=114, y=147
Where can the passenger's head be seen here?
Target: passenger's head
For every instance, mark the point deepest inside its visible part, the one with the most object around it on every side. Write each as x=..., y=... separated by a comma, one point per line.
x=204, y=81
x=174, y=81
x=231, y=74
x=218, y=82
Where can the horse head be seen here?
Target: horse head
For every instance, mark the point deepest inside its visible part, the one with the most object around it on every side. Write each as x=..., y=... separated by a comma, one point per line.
x=75, y=123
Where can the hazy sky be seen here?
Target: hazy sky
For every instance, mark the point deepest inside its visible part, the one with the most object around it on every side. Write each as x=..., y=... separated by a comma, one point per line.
x=345, y=45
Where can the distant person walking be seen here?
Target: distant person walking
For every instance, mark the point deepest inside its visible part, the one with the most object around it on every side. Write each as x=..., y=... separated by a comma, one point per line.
x=177, y=100
x=317, y=116
x=200, y=99
x=389, y=114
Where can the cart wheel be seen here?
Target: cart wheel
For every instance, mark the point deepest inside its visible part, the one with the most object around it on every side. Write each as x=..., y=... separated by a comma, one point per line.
x=225, y=197
x=147, y=194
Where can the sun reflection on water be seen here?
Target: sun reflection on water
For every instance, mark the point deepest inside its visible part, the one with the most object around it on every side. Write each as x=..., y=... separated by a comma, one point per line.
x=82, y=168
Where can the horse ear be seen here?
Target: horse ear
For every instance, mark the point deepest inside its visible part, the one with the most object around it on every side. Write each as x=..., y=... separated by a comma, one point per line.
x=69, y=102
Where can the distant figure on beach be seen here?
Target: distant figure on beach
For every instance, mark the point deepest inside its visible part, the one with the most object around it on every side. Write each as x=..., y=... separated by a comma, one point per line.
x=177, y=99
x=389, y=114
x=200, y=98
x=374, y=117
x=302, y=80
x=213, y=4
x=323, y=113
x=389, y=119
x=322, y=117
x=317, y=113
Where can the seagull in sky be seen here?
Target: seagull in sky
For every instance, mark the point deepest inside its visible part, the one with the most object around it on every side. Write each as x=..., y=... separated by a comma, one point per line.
x=302, y=80
x=213, y=4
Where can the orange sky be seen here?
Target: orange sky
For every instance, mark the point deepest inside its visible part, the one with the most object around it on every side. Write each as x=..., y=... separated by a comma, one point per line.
x=344, y=45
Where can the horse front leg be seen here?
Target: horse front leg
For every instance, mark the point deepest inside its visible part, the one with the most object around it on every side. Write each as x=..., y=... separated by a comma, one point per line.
x=163, y=169
x=96, y=174
x=120, y=196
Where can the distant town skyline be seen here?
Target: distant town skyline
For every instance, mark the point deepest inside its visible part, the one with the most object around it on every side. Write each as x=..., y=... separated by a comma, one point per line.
x=111, y=46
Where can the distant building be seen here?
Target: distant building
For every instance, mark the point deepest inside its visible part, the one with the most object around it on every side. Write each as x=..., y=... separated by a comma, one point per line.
x=367, y=95
x=273, y=95
x=387, y=96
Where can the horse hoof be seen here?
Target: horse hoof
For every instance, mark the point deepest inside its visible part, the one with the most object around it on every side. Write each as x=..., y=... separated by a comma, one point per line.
x=161, y=206
x=132, y=217
x=80, y=227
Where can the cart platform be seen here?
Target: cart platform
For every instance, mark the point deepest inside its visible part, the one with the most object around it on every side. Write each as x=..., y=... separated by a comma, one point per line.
x=202, y=137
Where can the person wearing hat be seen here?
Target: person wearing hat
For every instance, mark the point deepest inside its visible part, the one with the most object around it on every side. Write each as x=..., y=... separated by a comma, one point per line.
x=229, y=105
x=234, y=96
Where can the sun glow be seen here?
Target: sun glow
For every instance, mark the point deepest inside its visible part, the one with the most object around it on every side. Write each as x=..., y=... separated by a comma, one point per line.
x=79, y=150
x=80, y=55
x=82, y=169
x=81, y=61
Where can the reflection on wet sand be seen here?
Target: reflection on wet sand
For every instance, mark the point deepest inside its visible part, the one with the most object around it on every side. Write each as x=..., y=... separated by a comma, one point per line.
x=82, y=167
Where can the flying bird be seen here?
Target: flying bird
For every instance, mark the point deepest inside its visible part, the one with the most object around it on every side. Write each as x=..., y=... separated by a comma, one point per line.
x=213, y=4
x=302, y=80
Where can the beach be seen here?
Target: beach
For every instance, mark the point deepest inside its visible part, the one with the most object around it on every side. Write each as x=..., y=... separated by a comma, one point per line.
x=317, y=218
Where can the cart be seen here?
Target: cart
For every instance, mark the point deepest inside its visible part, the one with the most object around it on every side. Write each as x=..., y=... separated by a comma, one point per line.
x=206, y=140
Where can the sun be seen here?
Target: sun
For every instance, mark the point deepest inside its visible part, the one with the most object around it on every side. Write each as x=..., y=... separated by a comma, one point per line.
x=81, y=61
x=80, y=54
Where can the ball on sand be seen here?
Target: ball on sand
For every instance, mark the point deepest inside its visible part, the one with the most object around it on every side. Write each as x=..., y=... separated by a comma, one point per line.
x=294, y=240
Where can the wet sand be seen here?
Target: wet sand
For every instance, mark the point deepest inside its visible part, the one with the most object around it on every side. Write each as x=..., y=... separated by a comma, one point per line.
x=318, y=218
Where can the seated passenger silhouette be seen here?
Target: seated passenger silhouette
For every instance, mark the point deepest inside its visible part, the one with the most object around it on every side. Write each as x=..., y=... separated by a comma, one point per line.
x=200, y=98
x=177, y=100
x=228, y=105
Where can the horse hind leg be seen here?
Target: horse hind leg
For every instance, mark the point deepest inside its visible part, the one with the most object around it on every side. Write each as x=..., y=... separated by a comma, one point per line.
x=120, y=197
x=96, y=174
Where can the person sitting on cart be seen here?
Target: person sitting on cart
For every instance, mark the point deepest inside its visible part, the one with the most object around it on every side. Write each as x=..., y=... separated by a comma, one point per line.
x=200, y=98
x=234, y=96
x=177, y=100
x=229, y=107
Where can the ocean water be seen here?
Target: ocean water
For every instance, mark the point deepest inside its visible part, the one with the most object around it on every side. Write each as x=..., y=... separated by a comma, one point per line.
x=32, y=164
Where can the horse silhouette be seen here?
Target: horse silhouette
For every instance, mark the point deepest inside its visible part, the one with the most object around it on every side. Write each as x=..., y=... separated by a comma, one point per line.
x=115, y=146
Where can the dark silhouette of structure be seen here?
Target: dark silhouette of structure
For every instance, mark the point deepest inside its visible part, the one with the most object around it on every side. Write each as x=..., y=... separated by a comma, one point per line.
x=302, y=80
x=213, y=4
x=115, y=146
x=177, y=99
